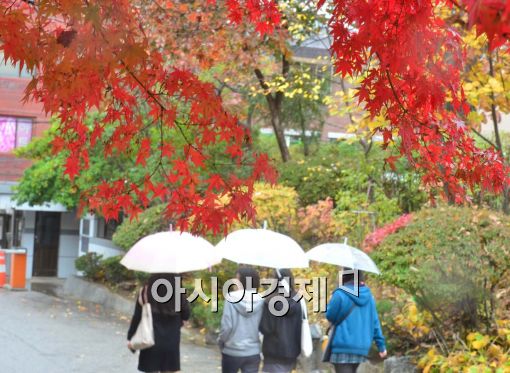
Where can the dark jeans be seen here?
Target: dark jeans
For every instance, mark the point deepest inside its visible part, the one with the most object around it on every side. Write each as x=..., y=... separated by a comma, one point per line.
x=247, y=364
x=346, y=368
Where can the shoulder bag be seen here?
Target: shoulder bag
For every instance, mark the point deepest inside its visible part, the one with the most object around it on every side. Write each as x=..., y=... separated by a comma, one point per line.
x=306, y=335
x=144, y=335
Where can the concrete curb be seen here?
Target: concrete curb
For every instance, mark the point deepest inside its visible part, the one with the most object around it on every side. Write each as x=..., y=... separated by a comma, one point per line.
x=81, y=289
x=77, y=288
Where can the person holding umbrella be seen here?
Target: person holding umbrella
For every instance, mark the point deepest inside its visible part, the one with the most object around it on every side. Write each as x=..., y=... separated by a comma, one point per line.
x=162, y=306
x=239, y=332
x=167, y=320
x=351, y=312
x=281, y=345
x=265, y=248
x=355, y=325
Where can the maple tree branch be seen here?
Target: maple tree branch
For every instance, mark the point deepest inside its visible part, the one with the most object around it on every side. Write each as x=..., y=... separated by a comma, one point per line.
x=493, y=108
x=152, y=95
x=163, y=108
x=224, y=84
x=455, y=2
x=161, y=143
x=159, y=6
x=479, y=134
x=261, y=79
x=395, y=92
x=404, y=109
x=10, y=7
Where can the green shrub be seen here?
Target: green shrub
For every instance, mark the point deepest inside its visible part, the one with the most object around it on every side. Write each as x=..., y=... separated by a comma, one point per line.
x=114, y=272
x=452, y=260
x=90, y=265
x=315, y=178
x=345, y=167
x=150, y=221
x=203, y=317
x=142, y=277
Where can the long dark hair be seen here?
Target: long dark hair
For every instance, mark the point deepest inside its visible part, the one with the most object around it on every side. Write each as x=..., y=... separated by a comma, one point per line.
x=167, y=308
x=248, y=272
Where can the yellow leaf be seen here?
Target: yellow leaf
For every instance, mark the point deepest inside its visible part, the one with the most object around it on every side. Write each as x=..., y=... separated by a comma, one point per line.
x=471, y=336
x=495, y=85
x=480, y=343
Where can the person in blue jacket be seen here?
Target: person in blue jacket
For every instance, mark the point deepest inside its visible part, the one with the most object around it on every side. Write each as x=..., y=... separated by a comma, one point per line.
x=357, y=325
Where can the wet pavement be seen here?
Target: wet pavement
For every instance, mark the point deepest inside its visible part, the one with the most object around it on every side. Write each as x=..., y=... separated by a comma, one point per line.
x=40, y=333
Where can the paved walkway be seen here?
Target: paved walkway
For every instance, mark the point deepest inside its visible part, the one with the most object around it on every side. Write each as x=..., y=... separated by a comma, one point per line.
x=44, y=334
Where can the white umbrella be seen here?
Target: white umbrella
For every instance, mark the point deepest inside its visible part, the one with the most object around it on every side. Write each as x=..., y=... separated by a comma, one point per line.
x=171, y=252
x=343, y=255
x=262, y=247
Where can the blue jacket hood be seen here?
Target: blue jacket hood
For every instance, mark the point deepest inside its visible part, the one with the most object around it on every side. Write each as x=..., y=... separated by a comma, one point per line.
x=363, y=296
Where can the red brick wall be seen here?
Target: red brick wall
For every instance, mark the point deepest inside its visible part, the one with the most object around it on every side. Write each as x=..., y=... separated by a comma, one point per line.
x=11, y=96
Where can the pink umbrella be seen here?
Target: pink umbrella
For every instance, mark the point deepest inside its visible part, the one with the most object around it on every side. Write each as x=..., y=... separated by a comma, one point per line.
x=171, y=252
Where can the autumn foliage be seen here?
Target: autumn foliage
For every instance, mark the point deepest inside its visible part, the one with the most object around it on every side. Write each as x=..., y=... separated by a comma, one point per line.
x=411, y=62
x=108, y=56
x=376, y=237
x=96, y=56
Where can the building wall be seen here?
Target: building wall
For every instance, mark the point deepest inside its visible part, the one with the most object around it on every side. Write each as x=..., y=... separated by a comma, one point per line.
x=11, y=96
x=106, y=248
x=91, y=243
x=27, y=239
x=503, y=125
x=68, y=244
x=12, y=89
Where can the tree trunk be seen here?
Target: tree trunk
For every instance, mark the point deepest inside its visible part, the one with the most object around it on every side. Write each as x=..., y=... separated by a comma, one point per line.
x=302, y=124
x=494, y=116
x=274, y=103
x=279, y=132
x=249, y=119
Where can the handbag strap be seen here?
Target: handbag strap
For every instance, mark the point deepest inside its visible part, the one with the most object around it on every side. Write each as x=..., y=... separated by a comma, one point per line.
x=347, y=314
x=333, y=326
x=304, y=313
x=142, y=297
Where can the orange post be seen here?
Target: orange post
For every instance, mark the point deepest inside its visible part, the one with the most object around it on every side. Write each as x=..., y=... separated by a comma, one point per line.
x=3, y=275
x=18, y=270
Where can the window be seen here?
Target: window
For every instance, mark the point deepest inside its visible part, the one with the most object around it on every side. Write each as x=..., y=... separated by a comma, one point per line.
x=85, y=230
x=107, y=229
x=14, y=133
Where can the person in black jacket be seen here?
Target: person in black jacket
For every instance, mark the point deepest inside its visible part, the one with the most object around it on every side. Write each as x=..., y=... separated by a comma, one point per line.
x=281, y=345
x=167, y=321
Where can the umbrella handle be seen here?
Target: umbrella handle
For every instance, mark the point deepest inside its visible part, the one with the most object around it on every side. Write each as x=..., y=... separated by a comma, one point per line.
x=264, y=226
x=282, y=281
x=345, y=240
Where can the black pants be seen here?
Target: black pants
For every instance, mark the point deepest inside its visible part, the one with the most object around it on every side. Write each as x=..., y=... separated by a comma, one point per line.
x=346, y=368
x=247, y=364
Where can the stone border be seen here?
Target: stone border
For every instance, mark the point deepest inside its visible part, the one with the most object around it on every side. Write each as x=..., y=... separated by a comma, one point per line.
x=80, y=289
